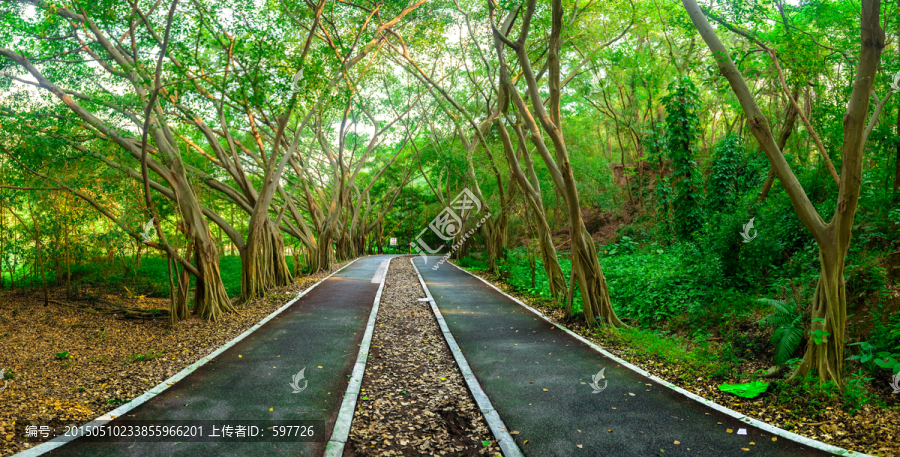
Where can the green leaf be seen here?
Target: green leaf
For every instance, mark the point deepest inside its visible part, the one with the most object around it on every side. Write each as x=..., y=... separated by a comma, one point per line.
x=748, y=390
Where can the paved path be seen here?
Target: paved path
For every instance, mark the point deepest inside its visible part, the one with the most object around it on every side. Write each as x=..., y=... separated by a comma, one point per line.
x=537, y=378
x=250, y=380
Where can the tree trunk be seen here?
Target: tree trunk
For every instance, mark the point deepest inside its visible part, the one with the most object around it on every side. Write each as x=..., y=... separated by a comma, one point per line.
x=595, y=301
x=829, y=314
x=210, y=298
x=829, y=307
x=594, y=293
x=494, y=233
x=178, y=310
x=324, y=255
x=40, y=260
x=555, y=277
x=786, y=129
x=297, y=254
x=263, y=263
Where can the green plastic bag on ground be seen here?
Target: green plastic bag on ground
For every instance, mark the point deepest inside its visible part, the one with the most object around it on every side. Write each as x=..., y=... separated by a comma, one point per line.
x=747, y=390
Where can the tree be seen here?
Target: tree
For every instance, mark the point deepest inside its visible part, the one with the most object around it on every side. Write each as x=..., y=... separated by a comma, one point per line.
x=824, y=353
x=586, y=270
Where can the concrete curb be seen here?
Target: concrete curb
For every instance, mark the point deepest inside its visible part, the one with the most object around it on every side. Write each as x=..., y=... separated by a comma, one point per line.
x=48, y=446
x=506, y=441
x=341, y=430
x=749, y=420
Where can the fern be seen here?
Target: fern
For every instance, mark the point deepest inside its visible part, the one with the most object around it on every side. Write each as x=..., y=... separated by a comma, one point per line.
x=788, y=323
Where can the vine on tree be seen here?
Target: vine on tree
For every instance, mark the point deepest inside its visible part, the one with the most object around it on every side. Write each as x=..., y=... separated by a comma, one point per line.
x=681, y=133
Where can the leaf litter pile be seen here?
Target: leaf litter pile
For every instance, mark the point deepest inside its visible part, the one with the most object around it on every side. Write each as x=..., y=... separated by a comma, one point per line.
x=413, y=400
x=67, y=366
x=873, y=429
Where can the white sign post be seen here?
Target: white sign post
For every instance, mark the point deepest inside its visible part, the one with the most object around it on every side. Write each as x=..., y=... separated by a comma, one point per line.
x=393, y=241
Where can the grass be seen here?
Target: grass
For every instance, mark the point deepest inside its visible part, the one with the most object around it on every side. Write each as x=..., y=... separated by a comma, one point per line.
x=693, y=359
x=150, y=279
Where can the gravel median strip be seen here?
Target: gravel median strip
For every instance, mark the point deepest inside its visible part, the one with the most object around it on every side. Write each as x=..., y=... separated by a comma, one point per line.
x=414, y=399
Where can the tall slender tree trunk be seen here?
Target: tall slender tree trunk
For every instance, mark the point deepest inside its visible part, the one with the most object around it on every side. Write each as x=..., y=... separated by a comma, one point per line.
x=824, y=353
x=40, y=259
x=379, y=240
x=531, y=188
x=596, y=304
x=325, y=251
x=179, y=308
x=786, y=129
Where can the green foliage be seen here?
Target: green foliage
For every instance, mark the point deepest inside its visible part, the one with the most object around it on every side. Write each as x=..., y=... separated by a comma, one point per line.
x=866, y=352
x=146, y=357
x=889, y=360
x=62, y=355
x=471, y=263
x=693, y=358
x=663, y=196
x=787, y=320
x=806, y=399
x=883, y=341
x=151, y=278
x=682, y=124
x=818, y=335
x=722, y=191
x=855, y=395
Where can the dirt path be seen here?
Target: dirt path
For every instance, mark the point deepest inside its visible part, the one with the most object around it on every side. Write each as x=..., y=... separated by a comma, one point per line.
x=414, y=400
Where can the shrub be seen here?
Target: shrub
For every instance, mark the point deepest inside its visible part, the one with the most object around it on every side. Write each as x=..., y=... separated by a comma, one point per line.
x=789, y=329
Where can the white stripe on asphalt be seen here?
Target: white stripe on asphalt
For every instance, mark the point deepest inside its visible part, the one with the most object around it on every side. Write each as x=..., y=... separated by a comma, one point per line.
x=501, y=434
x=380, y=272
